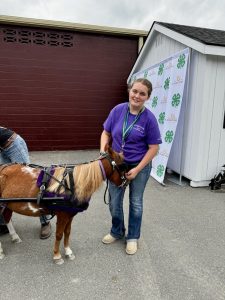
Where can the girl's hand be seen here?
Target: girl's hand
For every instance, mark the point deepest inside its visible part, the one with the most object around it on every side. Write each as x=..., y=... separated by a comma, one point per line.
x=131, y=174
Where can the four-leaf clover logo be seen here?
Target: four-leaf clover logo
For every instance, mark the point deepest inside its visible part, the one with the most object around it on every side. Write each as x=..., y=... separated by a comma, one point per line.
x=145, y=74
x=160, y=170
x=161, y=67
x=169, y=136
x=176, y=100
x=161, y=118
x=154, y=101
x=167, y=83
x=181, y=61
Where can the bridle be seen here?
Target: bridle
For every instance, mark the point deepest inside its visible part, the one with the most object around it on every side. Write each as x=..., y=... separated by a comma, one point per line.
x=117, y=168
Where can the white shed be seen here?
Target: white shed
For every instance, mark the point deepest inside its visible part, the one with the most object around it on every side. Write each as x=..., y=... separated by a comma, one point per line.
x=198, y=151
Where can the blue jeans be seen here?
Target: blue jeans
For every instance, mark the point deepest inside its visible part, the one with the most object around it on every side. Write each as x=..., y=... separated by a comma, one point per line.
x=16, y=152
x=136, y=191
x=45, y=219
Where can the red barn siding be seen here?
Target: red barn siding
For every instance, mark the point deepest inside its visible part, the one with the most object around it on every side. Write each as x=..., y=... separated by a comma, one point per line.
x=55, y=96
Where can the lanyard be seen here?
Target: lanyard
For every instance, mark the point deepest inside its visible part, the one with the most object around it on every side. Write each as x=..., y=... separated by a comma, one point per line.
x=127, y=129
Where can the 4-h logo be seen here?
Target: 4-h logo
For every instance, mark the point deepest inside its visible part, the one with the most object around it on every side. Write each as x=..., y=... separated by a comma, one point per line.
x=160, y=170
x=176, y=100
x=161, y=118
x=154, y=101
x=145, y=74
x=169, y=136
x=167, y=83
x=181, y=61
x=161, y=67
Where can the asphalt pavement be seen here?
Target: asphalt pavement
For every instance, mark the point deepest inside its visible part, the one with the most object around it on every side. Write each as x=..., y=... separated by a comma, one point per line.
x=181, y=252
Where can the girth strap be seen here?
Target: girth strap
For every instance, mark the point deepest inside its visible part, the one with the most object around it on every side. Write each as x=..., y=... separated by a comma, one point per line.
x=70, y=173
x=48, y=172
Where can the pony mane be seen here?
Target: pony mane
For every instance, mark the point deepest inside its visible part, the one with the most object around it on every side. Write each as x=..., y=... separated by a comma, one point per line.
x=53, y=186
x=87, y=179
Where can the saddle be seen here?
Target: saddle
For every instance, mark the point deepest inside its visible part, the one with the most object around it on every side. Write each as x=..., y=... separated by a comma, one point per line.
x=57, y=201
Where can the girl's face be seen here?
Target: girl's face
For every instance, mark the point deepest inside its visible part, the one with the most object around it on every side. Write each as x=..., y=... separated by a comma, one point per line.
x=138, y=94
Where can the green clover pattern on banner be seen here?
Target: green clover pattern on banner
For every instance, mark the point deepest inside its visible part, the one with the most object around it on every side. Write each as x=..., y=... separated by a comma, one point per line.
x=169, y=136
x=167, y=83
x=161, y=67
x=176, y=100
x=160, y=170
x=168, y=79
x=154, y=101
x=181, y=61
x=161, y=118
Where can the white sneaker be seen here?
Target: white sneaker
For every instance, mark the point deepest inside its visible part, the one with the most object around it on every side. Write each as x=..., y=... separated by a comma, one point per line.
x=131, y=247
x=108, y=239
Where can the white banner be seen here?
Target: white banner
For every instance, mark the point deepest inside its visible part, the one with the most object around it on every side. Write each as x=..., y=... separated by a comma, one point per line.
x=168, y=79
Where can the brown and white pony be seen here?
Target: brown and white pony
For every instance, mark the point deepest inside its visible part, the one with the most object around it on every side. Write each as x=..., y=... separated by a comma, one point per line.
x=21, y=181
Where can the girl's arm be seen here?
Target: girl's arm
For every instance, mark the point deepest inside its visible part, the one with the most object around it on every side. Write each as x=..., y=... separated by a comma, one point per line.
x=104, y=141
x=150, y=154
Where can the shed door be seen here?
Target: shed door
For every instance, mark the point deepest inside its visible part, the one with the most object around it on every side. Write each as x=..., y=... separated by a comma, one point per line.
x=57, y=87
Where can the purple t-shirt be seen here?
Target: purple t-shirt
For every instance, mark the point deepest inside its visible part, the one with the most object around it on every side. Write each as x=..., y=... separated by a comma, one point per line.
x=144, y=132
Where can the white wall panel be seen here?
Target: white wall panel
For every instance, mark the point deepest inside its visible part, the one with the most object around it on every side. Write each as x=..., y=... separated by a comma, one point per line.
x=216, y=138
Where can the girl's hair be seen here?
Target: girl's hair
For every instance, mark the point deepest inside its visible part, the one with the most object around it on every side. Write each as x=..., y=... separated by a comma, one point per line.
x=145, y=82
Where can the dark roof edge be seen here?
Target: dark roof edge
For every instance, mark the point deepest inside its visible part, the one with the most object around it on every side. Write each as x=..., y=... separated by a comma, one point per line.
x=201, y=40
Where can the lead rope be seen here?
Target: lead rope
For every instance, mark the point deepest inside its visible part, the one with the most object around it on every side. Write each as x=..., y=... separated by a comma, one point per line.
x=104, y=155
x=107, y=187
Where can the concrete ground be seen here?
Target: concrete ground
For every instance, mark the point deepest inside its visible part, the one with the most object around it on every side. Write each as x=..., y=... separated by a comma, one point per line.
x=181, y=255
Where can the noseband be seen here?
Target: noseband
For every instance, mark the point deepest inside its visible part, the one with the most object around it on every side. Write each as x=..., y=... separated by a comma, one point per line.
x=115, y=167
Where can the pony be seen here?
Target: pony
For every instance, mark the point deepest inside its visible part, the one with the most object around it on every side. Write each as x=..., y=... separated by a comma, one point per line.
x=69, y=189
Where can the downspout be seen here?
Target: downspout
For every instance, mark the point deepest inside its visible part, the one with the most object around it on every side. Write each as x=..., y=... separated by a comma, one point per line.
x=140, y=43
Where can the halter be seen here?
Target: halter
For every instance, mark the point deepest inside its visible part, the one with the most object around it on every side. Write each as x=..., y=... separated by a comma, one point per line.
x=115, y=167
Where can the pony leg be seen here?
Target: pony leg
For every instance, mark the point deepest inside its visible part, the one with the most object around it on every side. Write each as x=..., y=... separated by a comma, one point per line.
x=2, y=255
x=68, y=252
x=14, y=236
x=60, y=227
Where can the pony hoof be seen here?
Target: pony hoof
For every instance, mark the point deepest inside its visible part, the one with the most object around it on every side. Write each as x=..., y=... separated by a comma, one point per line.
x=2, y=255
x=58, y=261
x=70, y=256
x=16, y=239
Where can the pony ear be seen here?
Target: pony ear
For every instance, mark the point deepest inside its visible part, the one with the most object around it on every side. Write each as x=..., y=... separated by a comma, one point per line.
x=121, y=156
x=107, y=148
